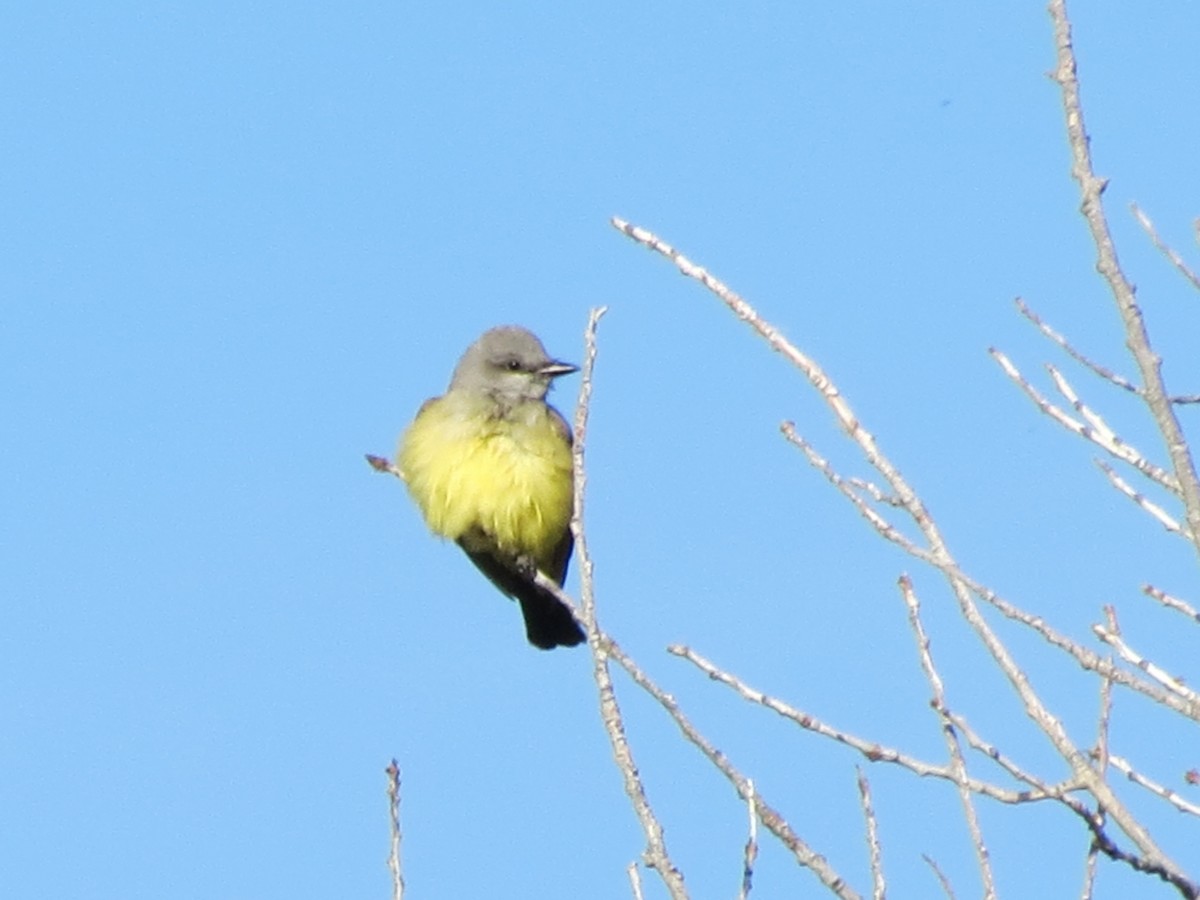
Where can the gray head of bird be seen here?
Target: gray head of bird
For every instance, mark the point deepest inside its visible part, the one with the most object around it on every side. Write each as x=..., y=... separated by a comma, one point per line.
x=510, y=364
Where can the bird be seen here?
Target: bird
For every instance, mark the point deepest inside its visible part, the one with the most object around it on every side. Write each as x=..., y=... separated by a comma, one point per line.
x=489, y=465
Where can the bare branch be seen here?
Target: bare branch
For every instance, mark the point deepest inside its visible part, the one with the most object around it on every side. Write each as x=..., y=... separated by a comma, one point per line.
x=938, y=551
x=846, y=486
x=1082, y=655
x=656, y=855
x=1091, y=188
x=1095, y=820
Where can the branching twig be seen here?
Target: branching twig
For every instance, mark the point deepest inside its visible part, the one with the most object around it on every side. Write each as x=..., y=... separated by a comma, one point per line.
x=1136, y=338
x=1103, y=371
x=1041, y=788
x=1131, y=656
x=1103, y=440
x=1085, y=657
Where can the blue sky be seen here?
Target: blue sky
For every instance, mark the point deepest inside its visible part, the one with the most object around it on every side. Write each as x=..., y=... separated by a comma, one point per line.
x=243, y=243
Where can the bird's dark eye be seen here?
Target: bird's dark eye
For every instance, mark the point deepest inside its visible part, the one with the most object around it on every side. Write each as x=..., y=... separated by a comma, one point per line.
x=513, y=365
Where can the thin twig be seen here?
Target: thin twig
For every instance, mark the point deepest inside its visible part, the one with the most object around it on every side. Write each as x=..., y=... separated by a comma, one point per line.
x=393, y=792
x=1103, y=371
x=1148, y=506
x=878, y=883
x=1171, y=602
x=1101, y=755
x=1124, y=766
x=750, y=851
x=384, y=465
x=1176, y=260
x=877, y=521
x=941, y=877
x=1182, y=805
x=635, y=881
x=958, y=766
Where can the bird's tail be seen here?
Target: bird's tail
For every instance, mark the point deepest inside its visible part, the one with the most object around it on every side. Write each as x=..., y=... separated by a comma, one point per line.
x=548, y=624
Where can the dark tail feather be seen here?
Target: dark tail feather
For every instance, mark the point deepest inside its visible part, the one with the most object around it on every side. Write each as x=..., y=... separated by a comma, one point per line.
x=548, y=624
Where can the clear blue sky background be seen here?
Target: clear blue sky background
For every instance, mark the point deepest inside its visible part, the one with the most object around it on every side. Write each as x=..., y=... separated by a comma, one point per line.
x=243, y=242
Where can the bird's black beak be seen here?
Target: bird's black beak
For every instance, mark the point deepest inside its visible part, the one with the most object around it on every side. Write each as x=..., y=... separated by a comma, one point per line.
x=554, y=368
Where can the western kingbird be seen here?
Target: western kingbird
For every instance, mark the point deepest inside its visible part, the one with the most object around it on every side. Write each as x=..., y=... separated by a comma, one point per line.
x=489, y=464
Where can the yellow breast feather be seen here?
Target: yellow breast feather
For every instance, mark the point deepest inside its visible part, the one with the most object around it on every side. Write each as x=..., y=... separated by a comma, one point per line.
x=508, y=477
